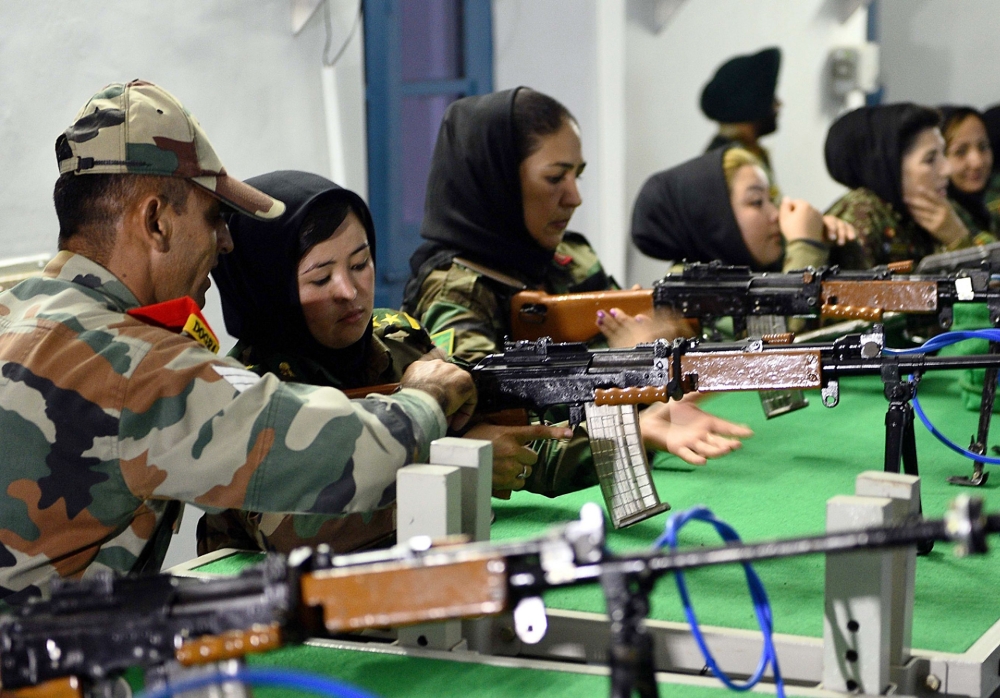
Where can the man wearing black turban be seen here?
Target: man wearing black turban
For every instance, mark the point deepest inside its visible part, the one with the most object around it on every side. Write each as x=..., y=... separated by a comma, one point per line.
x=740, y=96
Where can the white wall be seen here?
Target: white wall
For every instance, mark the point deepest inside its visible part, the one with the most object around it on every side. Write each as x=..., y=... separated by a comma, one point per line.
x=666, y=72
x=573, y=50
x=235, y=64
x=940, y=51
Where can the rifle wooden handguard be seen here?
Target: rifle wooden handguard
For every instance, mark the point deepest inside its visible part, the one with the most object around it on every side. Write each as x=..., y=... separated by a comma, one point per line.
x=571, y=317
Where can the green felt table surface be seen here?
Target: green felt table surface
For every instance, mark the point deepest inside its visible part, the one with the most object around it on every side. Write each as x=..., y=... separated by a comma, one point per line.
x=775, y=486
x=388, y=675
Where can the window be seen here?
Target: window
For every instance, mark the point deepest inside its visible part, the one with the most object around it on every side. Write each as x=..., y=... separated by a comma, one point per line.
x=420, y=55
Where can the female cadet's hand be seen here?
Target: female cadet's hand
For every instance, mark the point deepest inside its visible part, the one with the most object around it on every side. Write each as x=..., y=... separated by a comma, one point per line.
x=688, y=432
x=799, y=220
x=934, y=213
x=450, y=385
x=623, y=330
x=512, y=459
x=839, y=232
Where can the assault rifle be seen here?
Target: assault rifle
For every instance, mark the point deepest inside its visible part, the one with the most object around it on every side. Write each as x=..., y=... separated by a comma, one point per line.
x=706, y=292
x=538, y=375
x=759, y=302
x=78, y=642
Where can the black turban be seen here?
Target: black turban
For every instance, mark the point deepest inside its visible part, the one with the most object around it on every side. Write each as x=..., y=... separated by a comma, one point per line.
x=742, y=89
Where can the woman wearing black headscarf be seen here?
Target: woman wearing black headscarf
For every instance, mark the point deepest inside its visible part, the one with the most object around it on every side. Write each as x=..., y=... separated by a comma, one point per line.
x=500, y=194
x=718, y=207
x=259, y=284
x=892, y=158
x=298, y=293
x=970, y=154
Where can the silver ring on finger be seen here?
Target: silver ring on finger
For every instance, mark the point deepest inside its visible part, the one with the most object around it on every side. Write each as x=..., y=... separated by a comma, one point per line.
x=523, y=475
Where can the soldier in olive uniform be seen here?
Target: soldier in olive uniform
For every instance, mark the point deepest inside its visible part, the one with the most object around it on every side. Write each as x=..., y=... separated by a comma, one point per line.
x=111, y=418
x=500, y=194
x=299, y=295
x=892, y=158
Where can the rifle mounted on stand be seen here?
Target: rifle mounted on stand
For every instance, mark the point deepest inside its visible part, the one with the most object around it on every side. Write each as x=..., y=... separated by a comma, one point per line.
x=78, y=642
x=541, y=374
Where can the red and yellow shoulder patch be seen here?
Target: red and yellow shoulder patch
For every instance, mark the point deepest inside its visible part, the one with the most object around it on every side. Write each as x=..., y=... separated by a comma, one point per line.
x=181, y=315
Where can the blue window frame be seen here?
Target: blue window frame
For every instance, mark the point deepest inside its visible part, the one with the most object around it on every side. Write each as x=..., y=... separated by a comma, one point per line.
x=420, y=55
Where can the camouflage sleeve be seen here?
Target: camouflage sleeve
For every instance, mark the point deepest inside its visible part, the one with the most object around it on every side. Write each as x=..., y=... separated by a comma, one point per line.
x=800, y=254
x=209, y=432
x=859, y=208
x=462, y=315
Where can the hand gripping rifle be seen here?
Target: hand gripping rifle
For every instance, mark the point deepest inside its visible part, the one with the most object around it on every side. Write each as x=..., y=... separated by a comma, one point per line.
x=78, y=642
x=606, y=386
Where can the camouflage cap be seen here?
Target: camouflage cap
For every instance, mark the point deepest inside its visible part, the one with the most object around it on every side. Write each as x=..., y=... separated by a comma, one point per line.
x=140, y=128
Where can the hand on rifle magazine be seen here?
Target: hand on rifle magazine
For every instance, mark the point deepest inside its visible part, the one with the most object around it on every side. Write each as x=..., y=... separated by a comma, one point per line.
x=624, y=330
x=512, y=459
x=688, y=432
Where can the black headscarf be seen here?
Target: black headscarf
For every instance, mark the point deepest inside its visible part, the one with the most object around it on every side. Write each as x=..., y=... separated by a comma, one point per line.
x=258, y=280
x=742, y=89
x=973, y=202
x=991, y=117
x=685, y=213
x=474, y=205
x=864, y=148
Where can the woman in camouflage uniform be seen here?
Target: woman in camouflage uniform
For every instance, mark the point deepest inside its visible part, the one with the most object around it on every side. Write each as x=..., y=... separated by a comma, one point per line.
x=967, y=147
x=299, y=295
x=501, y=191
x=892, y=158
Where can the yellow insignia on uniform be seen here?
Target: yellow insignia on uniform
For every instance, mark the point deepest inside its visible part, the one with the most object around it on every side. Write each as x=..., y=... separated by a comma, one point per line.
x=201, y=332
x=413, y=323
x=375, y=323
x=392, y=318
x=445, y=340
x=286, y=371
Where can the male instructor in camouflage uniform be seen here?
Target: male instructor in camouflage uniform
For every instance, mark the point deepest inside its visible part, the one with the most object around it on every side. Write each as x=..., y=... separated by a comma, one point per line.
x=109, y=421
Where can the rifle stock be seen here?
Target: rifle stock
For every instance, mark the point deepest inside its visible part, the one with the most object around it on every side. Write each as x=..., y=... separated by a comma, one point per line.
x=570, y=317
x=409, y=591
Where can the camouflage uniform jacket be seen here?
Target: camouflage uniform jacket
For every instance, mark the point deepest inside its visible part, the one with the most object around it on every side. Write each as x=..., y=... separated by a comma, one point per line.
x=397, y=341
x=883, y=234
x=974, y=228
x=106, y=419
x=468, y=316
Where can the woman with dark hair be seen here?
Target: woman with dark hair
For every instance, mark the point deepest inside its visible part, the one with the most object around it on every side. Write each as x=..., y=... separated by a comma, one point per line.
x=500, y=195
x=892, y=157
x=719, y=206
x=298, y=293
x=970, y=154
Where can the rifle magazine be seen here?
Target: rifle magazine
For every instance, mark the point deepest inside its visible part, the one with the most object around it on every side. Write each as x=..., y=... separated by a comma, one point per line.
x=622, y=467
